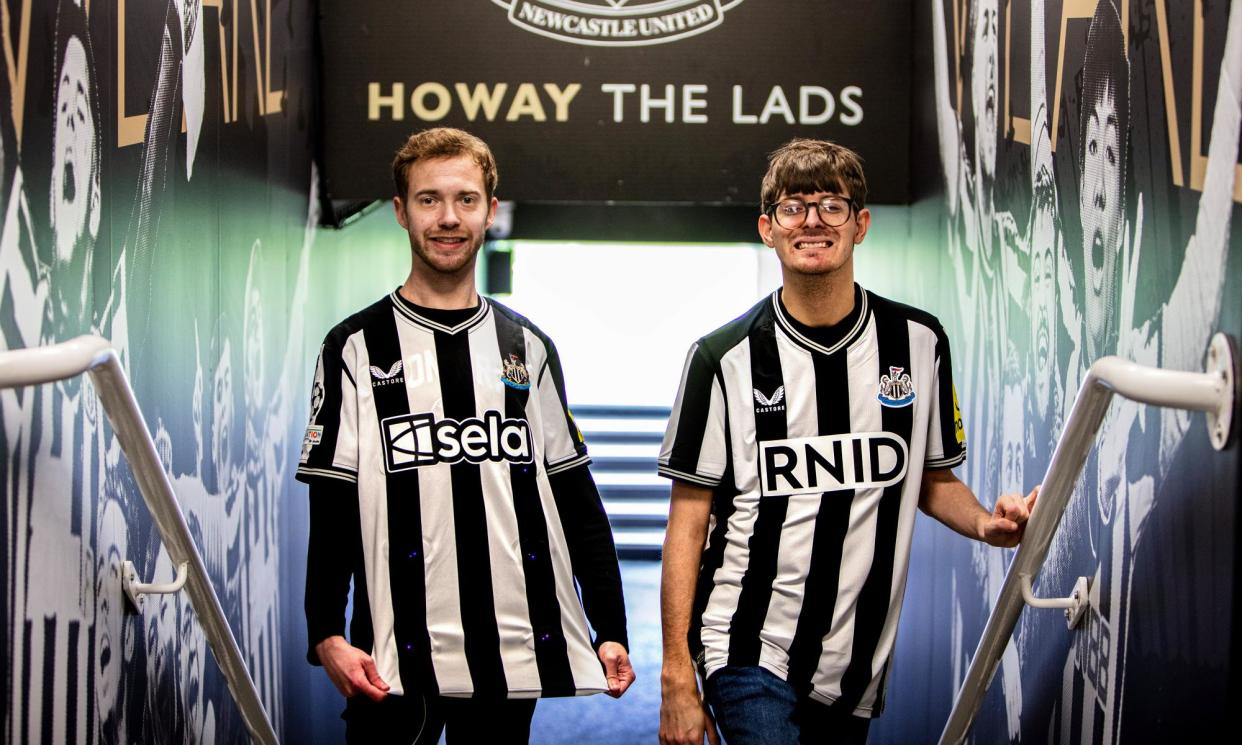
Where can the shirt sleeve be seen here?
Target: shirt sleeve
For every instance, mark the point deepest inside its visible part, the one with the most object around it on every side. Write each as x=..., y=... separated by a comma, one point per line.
x=563, y=445
x=946, y=436
x=592, y=553
x=334, y=550
x=695, y=443
x=330, y=446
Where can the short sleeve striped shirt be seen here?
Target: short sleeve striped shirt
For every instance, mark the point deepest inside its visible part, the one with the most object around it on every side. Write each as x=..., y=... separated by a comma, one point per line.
x=814, y=442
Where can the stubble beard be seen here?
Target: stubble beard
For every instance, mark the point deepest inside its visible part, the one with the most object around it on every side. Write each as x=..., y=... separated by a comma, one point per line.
x=445, y=267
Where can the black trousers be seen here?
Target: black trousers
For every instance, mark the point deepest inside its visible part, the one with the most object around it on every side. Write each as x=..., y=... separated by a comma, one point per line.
x=413, y=719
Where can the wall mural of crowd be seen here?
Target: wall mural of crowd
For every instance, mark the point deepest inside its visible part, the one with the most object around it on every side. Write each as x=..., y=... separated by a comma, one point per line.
x=157, y=190
x=1089, y=153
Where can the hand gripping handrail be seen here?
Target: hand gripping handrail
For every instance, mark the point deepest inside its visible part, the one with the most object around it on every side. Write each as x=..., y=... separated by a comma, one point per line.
x=22, y=367
x=1213, y=392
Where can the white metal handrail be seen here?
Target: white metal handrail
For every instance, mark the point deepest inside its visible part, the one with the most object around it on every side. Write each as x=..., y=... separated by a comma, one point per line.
x=94, y=355
x=1213, y=392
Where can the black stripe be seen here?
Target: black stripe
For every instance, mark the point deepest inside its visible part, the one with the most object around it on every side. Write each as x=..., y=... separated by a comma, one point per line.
x=362, y=632
x=819, y=596
x=49, y=678
x=893, y=342
x=765, y=538
x=23, y=717
x=79, y=478
x=474, y=571
x=948, y=410
x=723, y=508
x=323, y=454
x=696, y=399
x=91, y=672
x=405, y=527
x=71, y=683
x=551, y=652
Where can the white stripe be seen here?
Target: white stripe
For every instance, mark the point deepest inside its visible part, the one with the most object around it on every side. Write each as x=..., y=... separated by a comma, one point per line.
x=712, y=448
x=343, y=476
x=723, y=602
x=567, y=464
x=947, y=462
x=345, y=456
x=373, y=521
x=674, y=419
x=798, y=531
x=672, y=473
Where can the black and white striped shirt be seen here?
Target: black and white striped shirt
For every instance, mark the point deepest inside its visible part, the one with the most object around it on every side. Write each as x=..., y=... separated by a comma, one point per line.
x=474, y=508
x=814, y=442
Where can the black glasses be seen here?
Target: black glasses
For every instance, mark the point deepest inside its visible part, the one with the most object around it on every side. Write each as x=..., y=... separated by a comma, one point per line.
x=791, y=213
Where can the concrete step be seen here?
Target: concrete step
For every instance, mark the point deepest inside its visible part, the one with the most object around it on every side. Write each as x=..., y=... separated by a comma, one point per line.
x=624, y=443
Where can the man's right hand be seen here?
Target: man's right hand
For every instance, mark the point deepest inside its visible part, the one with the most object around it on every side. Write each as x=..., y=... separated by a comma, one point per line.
x=351, y=670
x=684, y=718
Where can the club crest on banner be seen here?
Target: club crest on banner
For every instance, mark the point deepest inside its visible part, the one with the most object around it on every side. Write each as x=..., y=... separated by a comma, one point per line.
x=617, y=22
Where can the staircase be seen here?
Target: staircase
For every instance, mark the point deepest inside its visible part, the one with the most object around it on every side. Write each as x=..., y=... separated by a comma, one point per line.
x=624, y=442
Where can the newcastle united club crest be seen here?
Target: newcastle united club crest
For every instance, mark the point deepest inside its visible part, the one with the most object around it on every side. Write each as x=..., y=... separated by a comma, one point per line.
x=896, y=388
x=514, y=373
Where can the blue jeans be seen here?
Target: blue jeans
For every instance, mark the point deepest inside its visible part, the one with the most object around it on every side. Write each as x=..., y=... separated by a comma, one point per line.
x=755, y=707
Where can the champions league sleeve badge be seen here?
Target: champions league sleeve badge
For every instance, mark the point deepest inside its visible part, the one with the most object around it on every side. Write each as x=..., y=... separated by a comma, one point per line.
x=896, y=388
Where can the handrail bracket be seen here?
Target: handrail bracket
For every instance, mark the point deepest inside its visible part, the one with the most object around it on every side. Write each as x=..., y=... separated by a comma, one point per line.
x=1075, y=605
x=137, y=591
x=1222, y=360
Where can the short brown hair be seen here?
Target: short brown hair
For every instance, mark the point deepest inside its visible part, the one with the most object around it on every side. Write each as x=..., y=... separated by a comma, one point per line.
x=803, y=166
x=443, y=142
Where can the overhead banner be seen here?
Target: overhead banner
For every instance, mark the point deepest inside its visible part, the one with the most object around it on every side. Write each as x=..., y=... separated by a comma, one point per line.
x=617, y=100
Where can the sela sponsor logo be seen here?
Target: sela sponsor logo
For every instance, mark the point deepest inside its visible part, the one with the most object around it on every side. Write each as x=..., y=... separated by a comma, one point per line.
x=379, y=377
x=813, y=465
x=617, y=22
x=415, y=440
x=513, y=373
x=765, y=404
x=896, y=388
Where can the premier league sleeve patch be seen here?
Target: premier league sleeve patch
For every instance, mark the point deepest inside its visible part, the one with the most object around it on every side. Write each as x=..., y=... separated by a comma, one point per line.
x=896, y=388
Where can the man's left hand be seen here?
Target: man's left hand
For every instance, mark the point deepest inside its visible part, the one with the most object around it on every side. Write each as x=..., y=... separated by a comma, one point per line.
x=617, y=668
x=1007, y=523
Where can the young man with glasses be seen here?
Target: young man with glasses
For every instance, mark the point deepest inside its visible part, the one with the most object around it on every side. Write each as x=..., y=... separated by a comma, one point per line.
x=449, y=482
x=804, y=435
